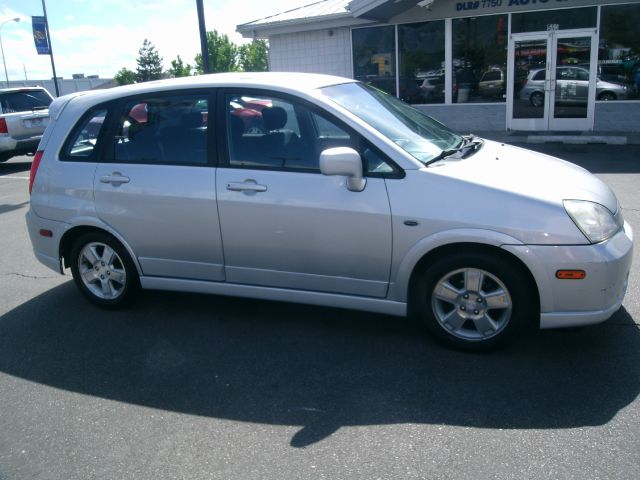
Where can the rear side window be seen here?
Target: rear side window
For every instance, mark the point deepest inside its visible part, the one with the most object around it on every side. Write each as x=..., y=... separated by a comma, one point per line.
x=25, y=101
x=540, y=75
x=82, y=142
x=162, y=130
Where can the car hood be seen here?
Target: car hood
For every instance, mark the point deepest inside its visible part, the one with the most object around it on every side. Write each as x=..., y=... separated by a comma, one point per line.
x=528, y=173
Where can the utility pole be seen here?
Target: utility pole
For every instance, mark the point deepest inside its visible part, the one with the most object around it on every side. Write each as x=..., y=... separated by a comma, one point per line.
x=203, y=37
x=53, y=65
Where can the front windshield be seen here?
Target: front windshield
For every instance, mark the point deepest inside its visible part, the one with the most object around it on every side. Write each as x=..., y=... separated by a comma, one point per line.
x=416, y=133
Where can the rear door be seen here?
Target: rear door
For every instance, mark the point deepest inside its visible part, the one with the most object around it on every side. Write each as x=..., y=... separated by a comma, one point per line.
x=156, y=185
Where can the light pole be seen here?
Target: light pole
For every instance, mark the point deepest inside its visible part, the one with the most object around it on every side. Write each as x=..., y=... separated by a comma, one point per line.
x=6, y=75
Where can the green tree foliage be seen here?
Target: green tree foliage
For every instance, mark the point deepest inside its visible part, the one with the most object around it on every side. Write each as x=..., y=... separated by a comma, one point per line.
x=179, y=69
x=223, y=54
x=125, y=77
x=149, y=63
x=253, y=57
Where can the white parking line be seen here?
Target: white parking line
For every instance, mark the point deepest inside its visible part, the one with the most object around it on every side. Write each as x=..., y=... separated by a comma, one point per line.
x=14, y=177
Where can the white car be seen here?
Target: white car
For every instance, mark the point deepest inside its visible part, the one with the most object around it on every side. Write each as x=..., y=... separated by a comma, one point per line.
x=348, y=198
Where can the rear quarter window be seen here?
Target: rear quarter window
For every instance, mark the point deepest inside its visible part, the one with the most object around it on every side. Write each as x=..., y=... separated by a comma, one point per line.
x=81, y=144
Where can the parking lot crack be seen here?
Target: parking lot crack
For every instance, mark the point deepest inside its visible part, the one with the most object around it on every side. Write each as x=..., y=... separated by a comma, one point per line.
x=22, y=275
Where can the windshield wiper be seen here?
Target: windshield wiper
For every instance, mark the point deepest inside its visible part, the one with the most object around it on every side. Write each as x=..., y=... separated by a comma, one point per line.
x=468, y=142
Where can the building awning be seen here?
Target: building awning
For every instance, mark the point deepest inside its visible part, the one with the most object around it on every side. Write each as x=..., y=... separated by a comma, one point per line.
x=383, y=10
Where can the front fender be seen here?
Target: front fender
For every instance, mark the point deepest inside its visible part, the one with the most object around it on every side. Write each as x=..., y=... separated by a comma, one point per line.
x=403, y=267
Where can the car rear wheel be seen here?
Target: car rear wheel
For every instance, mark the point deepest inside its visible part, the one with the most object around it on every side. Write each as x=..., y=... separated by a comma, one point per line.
x=537, y=99
x=103, y=270
x=607, y=96
x=473, y=301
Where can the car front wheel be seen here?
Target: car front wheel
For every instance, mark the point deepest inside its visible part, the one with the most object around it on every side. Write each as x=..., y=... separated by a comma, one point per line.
x=103, y=270
x=537, y=99
x=474, y=301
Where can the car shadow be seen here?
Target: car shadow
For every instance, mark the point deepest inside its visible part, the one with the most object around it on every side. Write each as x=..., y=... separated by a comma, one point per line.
x=14, y=167
x=11, y=208
x=317, y=368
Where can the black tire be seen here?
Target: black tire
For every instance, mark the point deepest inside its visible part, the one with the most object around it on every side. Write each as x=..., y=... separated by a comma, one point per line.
x=607, y=96
x=471, y=308
x=111, y=281
x=537, y=99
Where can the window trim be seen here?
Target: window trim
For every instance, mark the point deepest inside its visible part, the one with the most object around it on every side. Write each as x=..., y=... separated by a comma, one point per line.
x=118, y=108
x=222, y=133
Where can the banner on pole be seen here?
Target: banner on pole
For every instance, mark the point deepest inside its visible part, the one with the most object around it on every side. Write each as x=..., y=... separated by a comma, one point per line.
x=40, y=35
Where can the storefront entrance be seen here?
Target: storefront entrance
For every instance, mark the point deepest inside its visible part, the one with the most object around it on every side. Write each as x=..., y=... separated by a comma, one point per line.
x=552, y=80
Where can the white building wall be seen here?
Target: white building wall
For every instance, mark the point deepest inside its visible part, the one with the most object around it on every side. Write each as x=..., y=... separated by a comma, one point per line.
x=65, y=85
x=321, y=51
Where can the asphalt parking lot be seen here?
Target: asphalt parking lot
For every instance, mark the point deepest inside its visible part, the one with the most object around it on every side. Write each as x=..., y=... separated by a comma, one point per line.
x=205, y=387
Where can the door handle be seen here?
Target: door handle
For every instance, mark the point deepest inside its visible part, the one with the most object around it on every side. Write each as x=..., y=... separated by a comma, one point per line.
x=116, y=178
x=246, y=186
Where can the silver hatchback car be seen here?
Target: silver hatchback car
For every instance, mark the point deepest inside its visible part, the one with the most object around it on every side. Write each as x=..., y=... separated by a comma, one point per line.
x=345, y=197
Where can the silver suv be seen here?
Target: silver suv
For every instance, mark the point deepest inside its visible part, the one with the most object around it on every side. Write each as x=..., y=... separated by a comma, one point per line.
x=23, y=119
x=345, y=197
x=572, y=87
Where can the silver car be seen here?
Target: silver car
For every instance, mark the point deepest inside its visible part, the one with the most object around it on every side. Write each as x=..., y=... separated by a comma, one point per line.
x=572, y=87
x=347, y=198
x=23, y=119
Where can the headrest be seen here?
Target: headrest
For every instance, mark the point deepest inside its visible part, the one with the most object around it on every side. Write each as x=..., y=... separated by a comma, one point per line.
x=274, y=118
x=191, y=120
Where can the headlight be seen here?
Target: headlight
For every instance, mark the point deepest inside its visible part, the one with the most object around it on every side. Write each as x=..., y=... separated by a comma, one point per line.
x=595, y=221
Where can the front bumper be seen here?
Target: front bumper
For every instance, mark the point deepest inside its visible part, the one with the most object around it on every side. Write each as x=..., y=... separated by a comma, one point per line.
x=569, y=303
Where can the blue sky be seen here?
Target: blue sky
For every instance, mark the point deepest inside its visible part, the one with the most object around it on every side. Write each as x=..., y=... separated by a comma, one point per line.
x=98, y=37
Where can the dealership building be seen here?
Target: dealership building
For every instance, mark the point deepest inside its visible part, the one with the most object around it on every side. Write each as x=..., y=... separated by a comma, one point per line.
x=490, y=65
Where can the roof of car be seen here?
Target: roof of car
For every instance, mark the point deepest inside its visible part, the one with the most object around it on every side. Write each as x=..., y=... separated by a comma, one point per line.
x=301, y=82
x=20, y=89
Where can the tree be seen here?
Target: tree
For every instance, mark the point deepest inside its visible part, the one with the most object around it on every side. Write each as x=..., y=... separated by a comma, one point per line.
x=253, y=57
x=179, y=69
x=125, y=76
x=223, y=54
x=149, y=63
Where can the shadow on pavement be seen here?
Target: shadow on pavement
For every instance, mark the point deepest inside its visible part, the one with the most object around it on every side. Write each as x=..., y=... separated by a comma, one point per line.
x=318, y=368
x=14, y=167
x=596, y=158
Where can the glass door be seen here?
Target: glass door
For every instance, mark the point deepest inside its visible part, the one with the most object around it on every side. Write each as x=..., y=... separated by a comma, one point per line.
x=551, y=83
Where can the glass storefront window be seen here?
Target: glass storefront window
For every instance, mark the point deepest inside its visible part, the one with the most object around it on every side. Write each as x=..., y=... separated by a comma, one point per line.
x=374, y=58
x=479, y=59
x=554, y=20
x=421, y=50
x=619, y=53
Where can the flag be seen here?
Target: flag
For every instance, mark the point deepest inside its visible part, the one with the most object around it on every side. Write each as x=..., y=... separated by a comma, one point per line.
x=40, y=35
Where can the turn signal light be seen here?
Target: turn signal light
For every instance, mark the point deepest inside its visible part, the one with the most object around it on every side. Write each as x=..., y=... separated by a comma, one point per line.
x=571, y=274
x=46, y=233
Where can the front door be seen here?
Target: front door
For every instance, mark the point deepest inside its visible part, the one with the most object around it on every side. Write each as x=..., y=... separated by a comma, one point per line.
x=552, y=80
x=285, y=224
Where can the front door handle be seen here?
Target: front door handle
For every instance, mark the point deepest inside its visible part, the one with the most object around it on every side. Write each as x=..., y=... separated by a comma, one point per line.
x=116, y=178
x=246, y=186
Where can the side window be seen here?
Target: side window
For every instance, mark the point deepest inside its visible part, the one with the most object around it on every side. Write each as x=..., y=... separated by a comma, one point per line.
x=541, y=75
x=583, y=74
x=265, y=132
x=84, y=138
x=165, y=130
x=270, y=132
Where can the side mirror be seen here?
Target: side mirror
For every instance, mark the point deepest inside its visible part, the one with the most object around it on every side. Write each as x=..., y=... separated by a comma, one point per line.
x=344, y=161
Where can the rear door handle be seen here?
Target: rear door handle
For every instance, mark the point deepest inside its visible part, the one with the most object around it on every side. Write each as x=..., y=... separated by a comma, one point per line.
x=246, y=186
x=116, y=178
